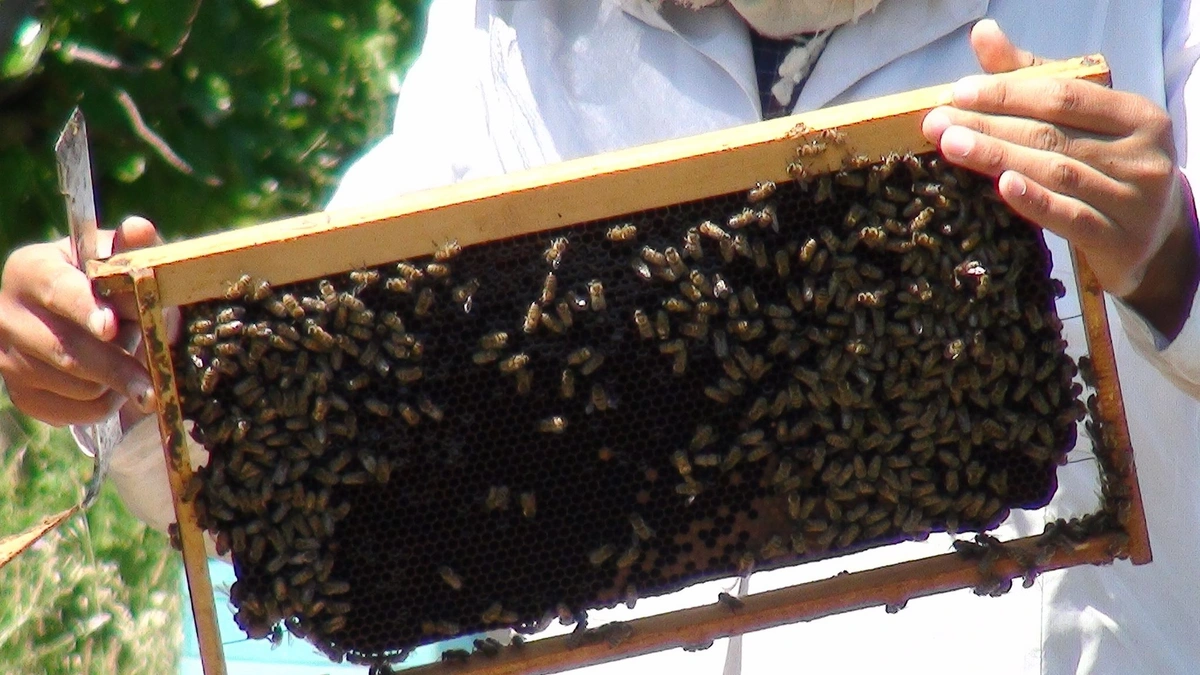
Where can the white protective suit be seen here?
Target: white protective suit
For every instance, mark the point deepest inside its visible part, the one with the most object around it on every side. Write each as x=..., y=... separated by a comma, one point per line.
x=505, y=85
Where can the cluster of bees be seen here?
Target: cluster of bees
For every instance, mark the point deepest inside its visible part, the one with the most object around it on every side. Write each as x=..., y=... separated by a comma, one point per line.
x=510, y=433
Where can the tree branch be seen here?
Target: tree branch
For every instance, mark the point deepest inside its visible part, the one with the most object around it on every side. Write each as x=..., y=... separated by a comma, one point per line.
x=156, y=142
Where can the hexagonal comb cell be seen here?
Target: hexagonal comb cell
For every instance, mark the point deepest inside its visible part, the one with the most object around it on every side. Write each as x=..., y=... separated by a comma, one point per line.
x=533, y=427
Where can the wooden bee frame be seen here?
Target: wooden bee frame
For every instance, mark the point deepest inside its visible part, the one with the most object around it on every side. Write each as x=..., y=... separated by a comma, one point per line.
x=562, y=195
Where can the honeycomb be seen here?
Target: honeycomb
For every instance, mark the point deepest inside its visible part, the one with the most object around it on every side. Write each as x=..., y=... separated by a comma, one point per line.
x=530, y=428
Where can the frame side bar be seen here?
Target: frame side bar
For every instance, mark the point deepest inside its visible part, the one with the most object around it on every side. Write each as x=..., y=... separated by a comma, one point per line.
x=1111, y=404
x=179, y=470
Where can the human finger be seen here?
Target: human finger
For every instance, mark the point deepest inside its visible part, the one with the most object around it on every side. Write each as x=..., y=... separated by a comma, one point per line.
x=1022, y=131
x=1065, y=175
x=1073, y=220
x=17, y=367
x=70, y=349
x=58, y=411
x=1052, y=143
x=42, y=276
x=995, y=52
x=133, y=233
x=1080, y=104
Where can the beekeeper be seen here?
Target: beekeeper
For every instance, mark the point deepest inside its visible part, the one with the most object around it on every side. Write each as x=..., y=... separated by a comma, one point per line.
x=505, y=85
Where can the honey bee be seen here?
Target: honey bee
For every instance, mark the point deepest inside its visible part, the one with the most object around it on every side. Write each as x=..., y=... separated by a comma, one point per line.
x=497, y=498
x=640, y=528
x=409, y=375
x=553, y=425
x=533, y=317
x=600, y=399
x=431, y=410
x=592, y=364
x=680, y=459
x=662, y=325
x=643, y=324
x=238, y=289
x=621, y=233
x=259, y=290
x=424, y=302
x=528, y=504
x=409, y=272
x=598, y=556
x=447, y=250
x=761, y=192
x=675, y=261
x=797, y=132
x=810, y=148
x=555, y=251
x=450, y=577
x=743, y=218
x=767, y=217
x=563, y=309
x=489, y=647
x=492, y=613
x=824, y=190
x=704, y=437
x=641, y=269
x=549, y=289
x=713, y=231
x=464, y=293
x=567, y=388
x=579, y=356
x=377, y=407
x=364, y=278
x=596, y=295
x=677, y=305
x=689, y=488
x=629, y=557
x=410, y=414
x=552, y=324
x=921, y=220
x=437, y=270
x=691, y=244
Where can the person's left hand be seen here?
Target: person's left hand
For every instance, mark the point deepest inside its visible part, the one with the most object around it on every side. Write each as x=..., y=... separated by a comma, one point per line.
x=1091, y=164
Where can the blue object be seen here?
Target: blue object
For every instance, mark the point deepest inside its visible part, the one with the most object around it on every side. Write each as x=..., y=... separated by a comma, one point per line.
x=257, y=657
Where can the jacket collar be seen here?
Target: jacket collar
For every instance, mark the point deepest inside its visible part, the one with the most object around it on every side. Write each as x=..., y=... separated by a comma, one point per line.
x=718, y=33
x=854, y=51
x=894, y=29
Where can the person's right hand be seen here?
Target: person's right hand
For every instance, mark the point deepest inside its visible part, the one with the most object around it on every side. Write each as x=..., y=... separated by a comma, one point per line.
x=66, y=356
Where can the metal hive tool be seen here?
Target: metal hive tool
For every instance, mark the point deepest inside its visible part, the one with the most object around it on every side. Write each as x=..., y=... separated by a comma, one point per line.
x=499, y=430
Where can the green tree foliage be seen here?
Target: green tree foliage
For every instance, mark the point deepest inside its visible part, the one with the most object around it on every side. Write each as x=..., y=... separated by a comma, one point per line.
x=203, y=114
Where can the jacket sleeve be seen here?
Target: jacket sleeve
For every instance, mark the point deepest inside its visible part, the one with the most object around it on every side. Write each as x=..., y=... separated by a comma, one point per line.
x=440, y=132
x=1178, y=359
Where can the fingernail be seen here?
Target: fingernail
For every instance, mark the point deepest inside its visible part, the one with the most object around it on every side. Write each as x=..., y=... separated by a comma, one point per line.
x=936, y=123
x=1016, y=183
x=98, y=322
x=990, y=23
x=142, y=395
x=957, y=142
x=966, y=91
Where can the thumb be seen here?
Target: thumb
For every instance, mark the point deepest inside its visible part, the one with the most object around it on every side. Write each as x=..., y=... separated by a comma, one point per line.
x=133, y=233
x=995, y=52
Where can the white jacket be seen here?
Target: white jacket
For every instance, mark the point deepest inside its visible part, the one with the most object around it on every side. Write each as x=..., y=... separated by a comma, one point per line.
x=505, y=85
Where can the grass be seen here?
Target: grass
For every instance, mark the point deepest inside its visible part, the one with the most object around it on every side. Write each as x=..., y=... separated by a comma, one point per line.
x=98, y=595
